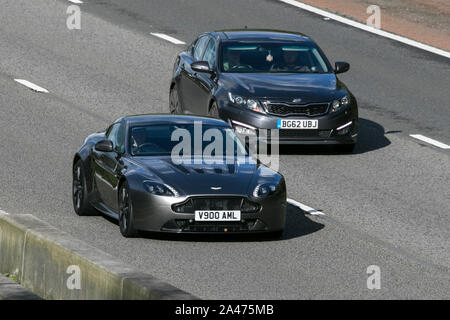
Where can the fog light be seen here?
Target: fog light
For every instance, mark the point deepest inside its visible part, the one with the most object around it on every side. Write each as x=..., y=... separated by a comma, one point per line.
x=243, y=129
x=249, y=207
x=181, y=223
x=345, y=129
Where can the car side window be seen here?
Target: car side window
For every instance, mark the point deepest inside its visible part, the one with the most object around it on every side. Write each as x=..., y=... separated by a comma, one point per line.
x=121, y=139
x=117, y=135
x=210, y=53
x=200, y=47
x=191, y=47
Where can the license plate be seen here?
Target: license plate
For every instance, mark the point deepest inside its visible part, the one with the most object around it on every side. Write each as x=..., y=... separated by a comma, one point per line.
x=218, y=215
x=297, y=124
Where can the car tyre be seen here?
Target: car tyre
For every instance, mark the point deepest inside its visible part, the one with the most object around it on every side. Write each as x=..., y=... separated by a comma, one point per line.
x=174, y=101
x=347, y=148
x=126, y=220
x=276, y=235
x=81, y=203
x=213, y=110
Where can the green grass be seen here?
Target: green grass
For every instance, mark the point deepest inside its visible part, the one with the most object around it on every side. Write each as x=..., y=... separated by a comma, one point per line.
x=12, y=277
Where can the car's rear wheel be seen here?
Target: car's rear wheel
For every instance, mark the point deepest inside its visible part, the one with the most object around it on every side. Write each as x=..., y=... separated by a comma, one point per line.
x=213, y=110
x=174, y=101
x=126, y=222
x=81, y=204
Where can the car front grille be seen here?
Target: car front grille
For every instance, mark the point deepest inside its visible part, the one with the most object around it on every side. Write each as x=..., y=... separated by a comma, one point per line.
x=194, y=226
x=216, y=203
x=287, y=109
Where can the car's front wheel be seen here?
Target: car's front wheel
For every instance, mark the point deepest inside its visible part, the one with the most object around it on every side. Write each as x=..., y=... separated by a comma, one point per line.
x=81, y=204
x=174, y=101
x=126, y=222
x=347, y=148
x=213, y=110
x=276, y=235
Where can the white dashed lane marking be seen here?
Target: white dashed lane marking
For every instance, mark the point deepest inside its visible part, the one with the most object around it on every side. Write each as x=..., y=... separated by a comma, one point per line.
x=305, y=208
x=430, y=141
x=31, y=85
x=168, y=38
x=76, y=1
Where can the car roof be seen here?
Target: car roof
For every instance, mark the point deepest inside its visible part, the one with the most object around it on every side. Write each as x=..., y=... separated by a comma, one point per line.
x=262, y=34
x=141, y=119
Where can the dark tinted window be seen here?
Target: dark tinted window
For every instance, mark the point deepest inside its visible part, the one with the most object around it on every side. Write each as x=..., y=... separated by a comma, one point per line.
x=272, y=58
x=117, y=135
x=210, y=53
x=156, y=140
x=200, y=47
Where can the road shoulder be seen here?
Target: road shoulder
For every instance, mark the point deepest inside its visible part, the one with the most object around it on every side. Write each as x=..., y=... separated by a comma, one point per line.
x=419, y=20
x=10, y=290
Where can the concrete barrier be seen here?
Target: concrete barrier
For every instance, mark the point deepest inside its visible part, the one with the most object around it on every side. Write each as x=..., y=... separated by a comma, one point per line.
x=54, y=265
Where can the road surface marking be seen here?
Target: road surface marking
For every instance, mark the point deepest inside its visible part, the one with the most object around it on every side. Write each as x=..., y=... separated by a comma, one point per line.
x=430, y=141
x=76, y=1
x=367, y=28
x=168, y=38
x=305, y=207
x=4, y=212
x=30, y=85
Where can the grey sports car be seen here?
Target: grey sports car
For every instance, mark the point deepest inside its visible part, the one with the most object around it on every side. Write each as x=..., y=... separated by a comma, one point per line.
x=147, y=172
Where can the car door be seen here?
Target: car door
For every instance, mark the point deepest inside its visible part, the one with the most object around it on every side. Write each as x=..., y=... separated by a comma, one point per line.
x=108, y=167
x=205, y=81
x=188, y=77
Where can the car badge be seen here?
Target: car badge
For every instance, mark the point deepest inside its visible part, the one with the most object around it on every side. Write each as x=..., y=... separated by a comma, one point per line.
x=297, y=100
x=216, y=188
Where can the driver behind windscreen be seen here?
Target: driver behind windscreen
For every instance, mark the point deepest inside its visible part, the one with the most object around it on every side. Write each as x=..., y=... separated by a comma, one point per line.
x=233, y=59
x=290, y=62
x=138, y=138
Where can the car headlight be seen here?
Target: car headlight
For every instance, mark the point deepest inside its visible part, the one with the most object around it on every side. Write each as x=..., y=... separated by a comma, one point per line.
x=160, y=189
x=264, y=190
x=251, y=104
x=339, y=104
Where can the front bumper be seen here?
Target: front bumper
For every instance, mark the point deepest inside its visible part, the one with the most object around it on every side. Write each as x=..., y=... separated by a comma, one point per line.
x=156, y=214
x=334, y=128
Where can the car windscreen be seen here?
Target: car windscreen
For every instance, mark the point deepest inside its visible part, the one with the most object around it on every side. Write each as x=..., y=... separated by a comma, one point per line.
x=161, y=139
x=248, y=57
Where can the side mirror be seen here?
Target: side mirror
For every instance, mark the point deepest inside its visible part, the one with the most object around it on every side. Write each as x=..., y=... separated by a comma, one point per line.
x=104, y=146
x=201, y=66
x=341, y=67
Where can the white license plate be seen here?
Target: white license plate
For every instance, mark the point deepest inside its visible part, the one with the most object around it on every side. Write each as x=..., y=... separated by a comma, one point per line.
x=297, y=124
x=218, y=215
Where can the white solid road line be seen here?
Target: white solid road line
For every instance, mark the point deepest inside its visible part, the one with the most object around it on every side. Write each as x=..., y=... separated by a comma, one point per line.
x=368, y=28
x=168, y=38
x=305, y=207
x=30, y=85
x=430, y=141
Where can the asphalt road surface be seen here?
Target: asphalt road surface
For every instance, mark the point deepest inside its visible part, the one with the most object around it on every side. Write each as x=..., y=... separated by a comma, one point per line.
x=387, y=204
